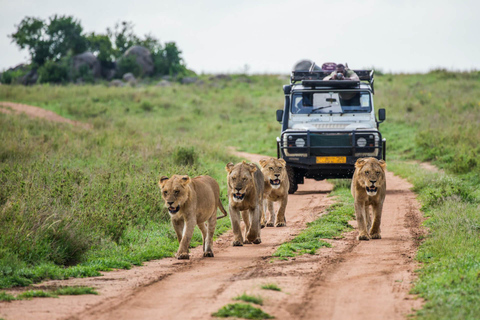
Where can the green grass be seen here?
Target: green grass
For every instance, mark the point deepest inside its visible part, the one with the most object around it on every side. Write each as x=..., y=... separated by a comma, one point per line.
x=450, y=254
x=6, y=296
x=247, y=298
x=74, y=291
x=63, y=291
x=241, y=310
x=328, y=226
x=36, y=294
x=271, y=286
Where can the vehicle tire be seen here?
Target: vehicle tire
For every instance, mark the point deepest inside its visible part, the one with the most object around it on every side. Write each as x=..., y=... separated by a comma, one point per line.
x=292, y=180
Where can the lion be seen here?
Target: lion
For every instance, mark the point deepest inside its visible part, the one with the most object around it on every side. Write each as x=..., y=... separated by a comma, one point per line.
x=192, y=202
x=369, y=189
x=245, y=195
x=276, y=190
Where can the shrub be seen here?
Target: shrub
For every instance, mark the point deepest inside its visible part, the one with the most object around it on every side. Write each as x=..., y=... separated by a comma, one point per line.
x=185, y=156
x=54, y=72
x=11, y=76
x=84, y=73
x=129, y=64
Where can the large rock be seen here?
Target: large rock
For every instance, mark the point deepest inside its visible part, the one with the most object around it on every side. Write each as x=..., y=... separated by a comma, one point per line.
x=143, y=58
x=30, y=78
x=116, y=83
x=130, y=79
x=189, y=80
x=305, y=65
x=87, y=59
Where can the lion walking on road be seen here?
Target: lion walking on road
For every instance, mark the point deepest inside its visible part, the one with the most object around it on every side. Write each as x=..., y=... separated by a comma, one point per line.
x=190, y=202
x=369, y=189
x=245, y=196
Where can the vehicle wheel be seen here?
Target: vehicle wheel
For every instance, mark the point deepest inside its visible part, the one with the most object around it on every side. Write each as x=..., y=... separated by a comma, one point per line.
x=291, y=179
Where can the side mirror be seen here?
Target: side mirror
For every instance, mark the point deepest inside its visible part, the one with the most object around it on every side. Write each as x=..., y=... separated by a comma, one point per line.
x=280, y=115
x=381, y=115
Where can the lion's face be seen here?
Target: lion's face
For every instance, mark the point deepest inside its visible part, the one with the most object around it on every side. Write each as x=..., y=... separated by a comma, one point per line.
x=274, y=170
x=240, y=179
x=175, y=191
x=371, y=174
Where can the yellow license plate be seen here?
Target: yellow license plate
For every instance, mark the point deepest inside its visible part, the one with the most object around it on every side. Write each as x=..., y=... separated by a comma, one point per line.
x=331, y=159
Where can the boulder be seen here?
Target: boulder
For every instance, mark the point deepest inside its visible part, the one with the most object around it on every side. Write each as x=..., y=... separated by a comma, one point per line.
x=221, y=77
x=30, y=78
x=116, y=83
x=89, y=60
x=129, y=77
x=189, y=80
x=143, y=58
x=164, y=83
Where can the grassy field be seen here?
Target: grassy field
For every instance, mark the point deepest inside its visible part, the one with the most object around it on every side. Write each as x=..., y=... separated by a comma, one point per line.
x=75, y=201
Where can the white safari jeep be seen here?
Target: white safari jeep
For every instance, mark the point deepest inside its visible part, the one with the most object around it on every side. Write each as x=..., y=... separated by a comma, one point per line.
x=328, y=125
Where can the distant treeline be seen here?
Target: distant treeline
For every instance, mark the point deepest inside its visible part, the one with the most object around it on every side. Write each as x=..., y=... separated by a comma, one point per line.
x=61, y=51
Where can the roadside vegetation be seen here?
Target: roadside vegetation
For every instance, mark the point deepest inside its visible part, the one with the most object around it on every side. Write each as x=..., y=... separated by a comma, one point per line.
x=271, y=286
x=241, y=310
x=76, y=201
x=63, y=291
x=248, y=298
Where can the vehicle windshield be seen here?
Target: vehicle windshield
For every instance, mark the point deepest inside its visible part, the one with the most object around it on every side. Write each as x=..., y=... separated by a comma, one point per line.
x=331, y=102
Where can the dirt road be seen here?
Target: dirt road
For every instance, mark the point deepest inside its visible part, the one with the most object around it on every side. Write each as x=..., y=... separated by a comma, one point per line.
x=351, y=280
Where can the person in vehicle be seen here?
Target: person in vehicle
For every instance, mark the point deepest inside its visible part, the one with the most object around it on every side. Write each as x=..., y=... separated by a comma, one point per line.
x=342, y=73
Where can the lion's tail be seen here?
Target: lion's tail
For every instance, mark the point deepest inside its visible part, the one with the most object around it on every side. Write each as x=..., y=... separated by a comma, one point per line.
x=220, y=206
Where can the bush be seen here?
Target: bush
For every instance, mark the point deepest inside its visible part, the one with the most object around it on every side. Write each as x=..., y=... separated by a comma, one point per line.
x=11, y=76
x=185, y=156
x=129, y=64
x=85, y=74
x=54, y=72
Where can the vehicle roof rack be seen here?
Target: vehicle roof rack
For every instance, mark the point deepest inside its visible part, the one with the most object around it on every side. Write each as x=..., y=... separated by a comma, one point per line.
x=315, y=78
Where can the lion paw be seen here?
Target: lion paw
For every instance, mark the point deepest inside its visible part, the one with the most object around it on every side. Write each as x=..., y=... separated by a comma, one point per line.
x=262, y=225
x=183, y=256
x=208, y=254
x=246, y=242
x=280, y=224
x=257, y=241
x=269, y=224
x=363, y=237
x=375, y=236
x=237, y=243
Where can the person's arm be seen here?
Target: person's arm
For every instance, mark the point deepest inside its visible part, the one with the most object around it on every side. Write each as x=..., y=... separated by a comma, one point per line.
x=352, y=76
x=330, y=77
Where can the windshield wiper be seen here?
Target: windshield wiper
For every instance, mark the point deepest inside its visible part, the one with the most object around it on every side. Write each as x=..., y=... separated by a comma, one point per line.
x=319, y=108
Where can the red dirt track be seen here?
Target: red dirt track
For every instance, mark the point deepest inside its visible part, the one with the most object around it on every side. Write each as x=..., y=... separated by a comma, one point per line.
x=351, y=280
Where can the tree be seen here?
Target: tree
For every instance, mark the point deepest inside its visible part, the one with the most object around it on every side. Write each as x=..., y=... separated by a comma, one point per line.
x=61, y=36
x=168, y=60
x=30, y=35
x=65, y=35
x=101, y=46
x=123, y=37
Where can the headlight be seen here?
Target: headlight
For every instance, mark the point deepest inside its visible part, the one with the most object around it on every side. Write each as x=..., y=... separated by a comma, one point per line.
x=361, y=142
x=300, y=143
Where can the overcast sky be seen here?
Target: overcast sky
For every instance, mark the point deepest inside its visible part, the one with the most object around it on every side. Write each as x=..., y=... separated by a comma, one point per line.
x=269, y=36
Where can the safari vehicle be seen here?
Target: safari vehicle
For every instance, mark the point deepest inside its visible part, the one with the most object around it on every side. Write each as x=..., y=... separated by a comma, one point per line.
x=328, y=125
